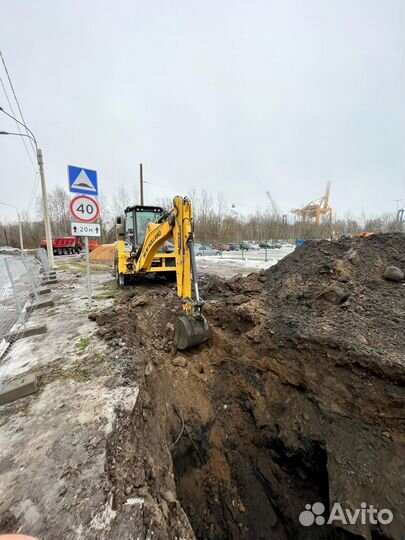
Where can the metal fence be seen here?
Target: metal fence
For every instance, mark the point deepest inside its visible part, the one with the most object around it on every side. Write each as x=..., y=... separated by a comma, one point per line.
x=42, y=257
x=264, y=255
x=19, y=285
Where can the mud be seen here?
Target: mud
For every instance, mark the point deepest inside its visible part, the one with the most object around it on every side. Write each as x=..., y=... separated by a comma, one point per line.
x=298, y=397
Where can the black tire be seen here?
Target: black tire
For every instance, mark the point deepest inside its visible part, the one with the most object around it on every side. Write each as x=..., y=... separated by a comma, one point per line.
x=116, y=275
x=116, y=269
x=123, y=280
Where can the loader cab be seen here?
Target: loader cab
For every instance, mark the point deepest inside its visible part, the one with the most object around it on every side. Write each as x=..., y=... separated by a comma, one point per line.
x=136, y=222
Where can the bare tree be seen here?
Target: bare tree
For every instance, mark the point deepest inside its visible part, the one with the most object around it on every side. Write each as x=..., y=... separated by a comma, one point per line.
x=215, y=221
x=121, y=200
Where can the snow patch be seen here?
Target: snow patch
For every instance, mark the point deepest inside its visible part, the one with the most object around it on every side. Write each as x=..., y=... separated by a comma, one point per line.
x=103, y=519
x=125, y=397
x=135, y=501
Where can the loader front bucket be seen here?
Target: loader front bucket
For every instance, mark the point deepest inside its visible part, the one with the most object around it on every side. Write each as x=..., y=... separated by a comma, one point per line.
x=190, y=331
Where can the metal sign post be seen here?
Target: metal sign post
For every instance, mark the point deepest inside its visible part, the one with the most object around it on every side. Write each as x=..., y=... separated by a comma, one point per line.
x=86, y=230
x=85, y=210
x=86, y=246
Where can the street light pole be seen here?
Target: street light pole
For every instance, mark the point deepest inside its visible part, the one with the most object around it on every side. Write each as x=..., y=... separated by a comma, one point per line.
x=40, y=161
x=19, y=224
x=141, y=182
x=48, y=234
x=21, y=236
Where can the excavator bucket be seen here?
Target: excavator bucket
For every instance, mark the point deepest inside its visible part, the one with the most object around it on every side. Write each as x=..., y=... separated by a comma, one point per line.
x=190, y=331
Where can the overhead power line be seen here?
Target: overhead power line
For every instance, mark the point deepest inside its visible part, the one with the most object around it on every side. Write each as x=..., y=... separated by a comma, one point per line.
x=34, y=164
x=33, y=192
x=15, y=95
x=18, y=126
x=157, y=185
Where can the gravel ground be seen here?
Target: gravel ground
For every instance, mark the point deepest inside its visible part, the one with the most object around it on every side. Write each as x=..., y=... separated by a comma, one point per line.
x=54, y=445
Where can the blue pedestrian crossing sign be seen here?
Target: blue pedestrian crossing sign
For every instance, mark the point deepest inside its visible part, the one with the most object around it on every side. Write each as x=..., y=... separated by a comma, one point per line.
x=82, y=180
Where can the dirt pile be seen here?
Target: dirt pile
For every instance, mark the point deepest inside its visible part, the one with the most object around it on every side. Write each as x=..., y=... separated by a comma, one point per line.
x=297, y=398
x=104, y=253
x=328, y=293
x=336, y=293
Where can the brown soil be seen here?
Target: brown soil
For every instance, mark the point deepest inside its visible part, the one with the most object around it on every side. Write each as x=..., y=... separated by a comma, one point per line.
x=298, y=397
x=105, y=252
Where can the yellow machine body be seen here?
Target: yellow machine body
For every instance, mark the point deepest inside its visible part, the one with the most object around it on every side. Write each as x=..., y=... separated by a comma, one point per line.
x=139, y=251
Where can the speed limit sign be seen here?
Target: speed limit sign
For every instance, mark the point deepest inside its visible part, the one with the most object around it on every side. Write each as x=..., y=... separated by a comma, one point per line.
x=84, y=208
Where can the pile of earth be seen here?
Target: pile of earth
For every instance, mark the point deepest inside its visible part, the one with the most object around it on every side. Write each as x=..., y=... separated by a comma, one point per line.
x=104, y=253
x=334, y=294
x=297, y=398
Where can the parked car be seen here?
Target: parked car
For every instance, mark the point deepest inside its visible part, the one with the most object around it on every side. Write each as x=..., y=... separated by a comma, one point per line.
x=264, y=245
x=168, y=247
x=244, y=245
x=254, y=247
x=200, y=250
x=221, y=247
x=233, y=247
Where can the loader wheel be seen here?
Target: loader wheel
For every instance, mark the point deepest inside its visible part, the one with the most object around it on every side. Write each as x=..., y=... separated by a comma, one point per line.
x=123, y=280
x=116, y=270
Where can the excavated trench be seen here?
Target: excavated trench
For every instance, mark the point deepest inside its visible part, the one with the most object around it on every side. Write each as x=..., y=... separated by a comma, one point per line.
x=236, y=480
x=236, y=475
x=277, y=411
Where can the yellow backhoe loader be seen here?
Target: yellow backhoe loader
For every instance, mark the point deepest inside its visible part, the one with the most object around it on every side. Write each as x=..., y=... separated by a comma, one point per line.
x=141, y=236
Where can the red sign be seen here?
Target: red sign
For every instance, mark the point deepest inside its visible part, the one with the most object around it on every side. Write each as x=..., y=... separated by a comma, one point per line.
x=84, y=208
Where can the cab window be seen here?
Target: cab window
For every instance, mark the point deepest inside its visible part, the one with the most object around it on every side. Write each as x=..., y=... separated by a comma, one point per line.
x=142, y=219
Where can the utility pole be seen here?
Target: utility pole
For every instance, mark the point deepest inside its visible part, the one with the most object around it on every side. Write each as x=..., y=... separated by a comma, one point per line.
x=141, y=182
x=48, y=235
x=21, y=235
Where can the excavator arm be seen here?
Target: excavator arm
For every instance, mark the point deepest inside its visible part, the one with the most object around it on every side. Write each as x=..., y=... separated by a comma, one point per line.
x=192, y=327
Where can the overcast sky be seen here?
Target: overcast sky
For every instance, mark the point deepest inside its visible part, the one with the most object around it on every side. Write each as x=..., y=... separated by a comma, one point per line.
x=238, y=97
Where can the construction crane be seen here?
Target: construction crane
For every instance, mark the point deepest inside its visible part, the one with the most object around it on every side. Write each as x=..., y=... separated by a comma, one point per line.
x=273, y=203
x=316, y=209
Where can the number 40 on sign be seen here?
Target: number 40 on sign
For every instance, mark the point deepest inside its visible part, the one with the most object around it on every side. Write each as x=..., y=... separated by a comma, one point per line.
x=84, y=208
